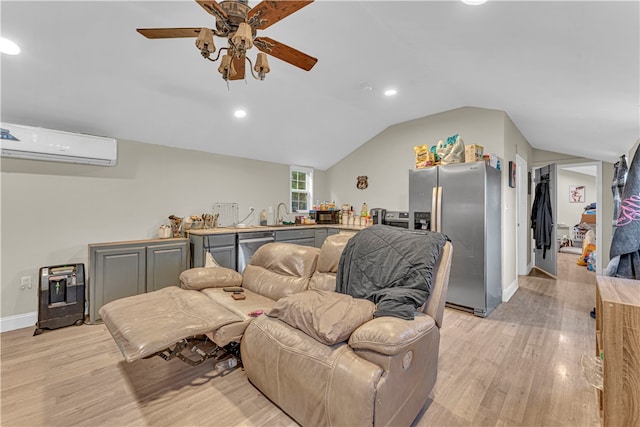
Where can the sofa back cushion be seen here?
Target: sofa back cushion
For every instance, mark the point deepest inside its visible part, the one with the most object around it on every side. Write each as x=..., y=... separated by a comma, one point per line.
x=324, y=278
x=280, y=269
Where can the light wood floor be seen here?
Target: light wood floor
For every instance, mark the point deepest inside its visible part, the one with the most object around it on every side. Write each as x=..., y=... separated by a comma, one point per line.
x=518, y=367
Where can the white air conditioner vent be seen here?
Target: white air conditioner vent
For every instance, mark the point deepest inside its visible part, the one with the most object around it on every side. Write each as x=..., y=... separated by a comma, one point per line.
x=26, y=142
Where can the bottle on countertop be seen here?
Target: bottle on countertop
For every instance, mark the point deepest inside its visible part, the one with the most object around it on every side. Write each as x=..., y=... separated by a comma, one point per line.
x=365, y=210
x=263, y=217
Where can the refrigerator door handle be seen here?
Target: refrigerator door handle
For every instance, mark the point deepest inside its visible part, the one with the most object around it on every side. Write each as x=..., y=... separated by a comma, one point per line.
x=434, y=209
x=439, y=216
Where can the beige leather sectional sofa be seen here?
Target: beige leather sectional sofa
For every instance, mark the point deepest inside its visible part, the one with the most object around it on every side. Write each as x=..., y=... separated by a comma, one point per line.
x=317, y=354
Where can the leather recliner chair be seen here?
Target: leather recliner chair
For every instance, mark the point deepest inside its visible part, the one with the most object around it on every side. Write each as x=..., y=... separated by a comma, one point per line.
x=382, y=375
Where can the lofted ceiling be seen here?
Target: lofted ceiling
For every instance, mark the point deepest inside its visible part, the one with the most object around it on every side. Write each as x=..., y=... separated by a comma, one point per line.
x=567, y=73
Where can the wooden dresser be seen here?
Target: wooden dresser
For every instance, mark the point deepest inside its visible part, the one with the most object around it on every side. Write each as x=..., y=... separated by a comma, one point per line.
x=618, y=344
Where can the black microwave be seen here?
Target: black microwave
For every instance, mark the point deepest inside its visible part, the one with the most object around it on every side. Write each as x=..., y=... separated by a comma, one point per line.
x=326, y=217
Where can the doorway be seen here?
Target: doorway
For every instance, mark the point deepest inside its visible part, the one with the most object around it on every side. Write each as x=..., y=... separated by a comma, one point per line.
x=584, y=179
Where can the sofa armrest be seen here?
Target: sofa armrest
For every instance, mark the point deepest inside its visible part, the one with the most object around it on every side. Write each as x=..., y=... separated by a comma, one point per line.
x=217, y=277
x=391, y=335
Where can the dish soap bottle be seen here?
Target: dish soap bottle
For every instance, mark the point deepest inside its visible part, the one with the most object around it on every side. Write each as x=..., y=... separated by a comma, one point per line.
x=365, y=210
x=263, y=217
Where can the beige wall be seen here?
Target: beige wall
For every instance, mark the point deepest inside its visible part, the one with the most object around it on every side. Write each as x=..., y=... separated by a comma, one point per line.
x=514, y=143
x=51, y=211
x=387, y=157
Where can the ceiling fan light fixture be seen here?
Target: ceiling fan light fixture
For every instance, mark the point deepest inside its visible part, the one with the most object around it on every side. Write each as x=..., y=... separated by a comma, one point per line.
x=243, y=37
x=204, y=42
x=226, y=67
x=390, y=92
x=238, y=24
x=262, y=65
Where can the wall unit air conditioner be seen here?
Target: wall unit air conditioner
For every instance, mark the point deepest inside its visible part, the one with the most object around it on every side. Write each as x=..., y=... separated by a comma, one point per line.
x=26, y=142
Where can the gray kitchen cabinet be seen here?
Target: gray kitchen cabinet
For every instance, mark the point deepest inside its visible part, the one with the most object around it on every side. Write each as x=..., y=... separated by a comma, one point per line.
x=321, y=235
x=305, y=237
x=122, y=269
x=221, y=246
x=332, y=231
x=164, y=265
x=196, y=243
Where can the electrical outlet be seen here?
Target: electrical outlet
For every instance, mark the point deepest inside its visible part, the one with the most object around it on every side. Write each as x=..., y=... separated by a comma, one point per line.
x=25, y=282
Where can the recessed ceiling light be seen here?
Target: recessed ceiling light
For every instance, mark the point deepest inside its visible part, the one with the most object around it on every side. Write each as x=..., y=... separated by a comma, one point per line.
x=390, y=92
x=240, y=114
x=474, y=2
x=8, y=47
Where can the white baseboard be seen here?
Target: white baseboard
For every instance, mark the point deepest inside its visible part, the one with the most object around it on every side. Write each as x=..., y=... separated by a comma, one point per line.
x=511, y=289
x=530, y=267
x=18, y=321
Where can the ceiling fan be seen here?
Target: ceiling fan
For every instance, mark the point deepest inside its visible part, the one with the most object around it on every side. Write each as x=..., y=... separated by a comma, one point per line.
x=239, y=23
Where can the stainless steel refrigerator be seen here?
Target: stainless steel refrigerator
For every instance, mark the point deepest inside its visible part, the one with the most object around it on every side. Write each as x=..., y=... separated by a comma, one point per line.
x=463, y=201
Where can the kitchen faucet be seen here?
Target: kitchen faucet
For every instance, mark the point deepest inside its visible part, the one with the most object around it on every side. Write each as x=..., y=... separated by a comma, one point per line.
x=279, y=220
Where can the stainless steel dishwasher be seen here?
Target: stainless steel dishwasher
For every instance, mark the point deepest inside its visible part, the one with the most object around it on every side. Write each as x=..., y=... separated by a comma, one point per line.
x=248, y=244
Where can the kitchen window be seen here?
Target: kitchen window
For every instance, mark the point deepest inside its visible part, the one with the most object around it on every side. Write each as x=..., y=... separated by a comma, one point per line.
x=301, y=193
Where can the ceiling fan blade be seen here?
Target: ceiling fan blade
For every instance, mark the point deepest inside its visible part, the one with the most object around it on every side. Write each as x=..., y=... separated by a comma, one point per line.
x=285, y=53
x=212, y=7
x=269, y=12
x=238, y=64
x=168, y=33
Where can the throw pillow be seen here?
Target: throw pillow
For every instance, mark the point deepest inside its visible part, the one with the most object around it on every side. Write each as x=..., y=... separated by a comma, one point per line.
x=326, y=316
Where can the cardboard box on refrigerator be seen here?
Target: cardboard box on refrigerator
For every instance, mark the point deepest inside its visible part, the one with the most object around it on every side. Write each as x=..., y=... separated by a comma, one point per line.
x=473, y=153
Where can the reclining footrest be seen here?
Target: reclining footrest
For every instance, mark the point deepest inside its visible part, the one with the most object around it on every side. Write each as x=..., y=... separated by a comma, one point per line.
x=146, y=324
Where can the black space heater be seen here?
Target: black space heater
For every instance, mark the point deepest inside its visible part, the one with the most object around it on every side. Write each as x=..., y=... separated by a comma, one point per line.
x=61, y=295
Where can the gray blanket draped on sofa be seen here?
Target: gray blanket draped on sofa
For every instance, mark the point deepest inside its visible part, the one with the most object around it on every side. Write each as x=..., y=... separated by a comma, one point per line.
x=391, y=267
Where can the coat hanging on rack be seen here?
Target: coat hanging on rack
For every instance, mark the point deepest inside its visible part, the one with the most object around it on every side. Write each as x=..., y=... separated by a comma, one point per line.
x=625, y=244
x=620, y=170
x=542, y=216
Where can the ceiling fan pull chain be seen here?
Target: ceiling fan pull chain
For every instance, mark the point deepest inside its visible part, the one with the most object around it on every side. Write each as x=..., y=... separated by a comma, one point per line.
x=250, y=69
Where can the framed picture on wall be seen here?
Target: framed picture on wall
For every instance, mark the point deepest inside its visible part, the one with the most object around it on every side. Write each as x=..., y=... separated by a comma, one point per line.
x=576, y=193
x=512, y=174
